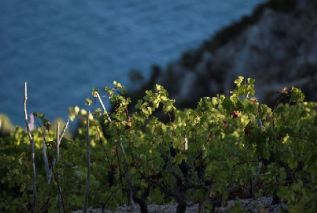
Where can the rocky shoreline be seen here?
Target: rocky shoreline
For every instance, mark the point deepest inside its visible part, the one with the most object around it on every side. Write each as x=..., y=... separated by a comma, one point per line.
x=276, y=45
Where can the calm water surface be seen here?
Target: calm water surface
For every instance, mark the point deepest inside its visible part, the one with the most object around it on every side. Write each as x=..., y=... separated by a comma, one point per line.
x=63, y=48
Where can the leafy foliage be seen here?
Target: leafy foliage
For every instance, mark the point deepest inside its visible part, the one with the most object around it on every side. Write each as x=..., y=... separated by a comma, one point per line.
x=227, y=147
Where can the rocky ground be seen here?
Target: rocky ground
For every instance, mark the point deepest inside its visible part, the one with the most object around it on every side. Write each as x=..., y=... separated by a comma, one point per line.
x=259, y=205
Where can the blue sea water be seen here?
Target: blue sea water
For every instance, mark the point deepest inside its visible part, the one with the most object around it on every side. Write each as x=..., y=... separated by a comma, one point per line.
x=63, y=48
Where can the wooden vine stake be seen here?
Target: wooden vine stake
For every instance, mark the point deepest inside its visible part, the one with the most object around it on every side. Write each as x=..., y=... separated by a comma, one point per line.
x=88, y=165
x=32, y=146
